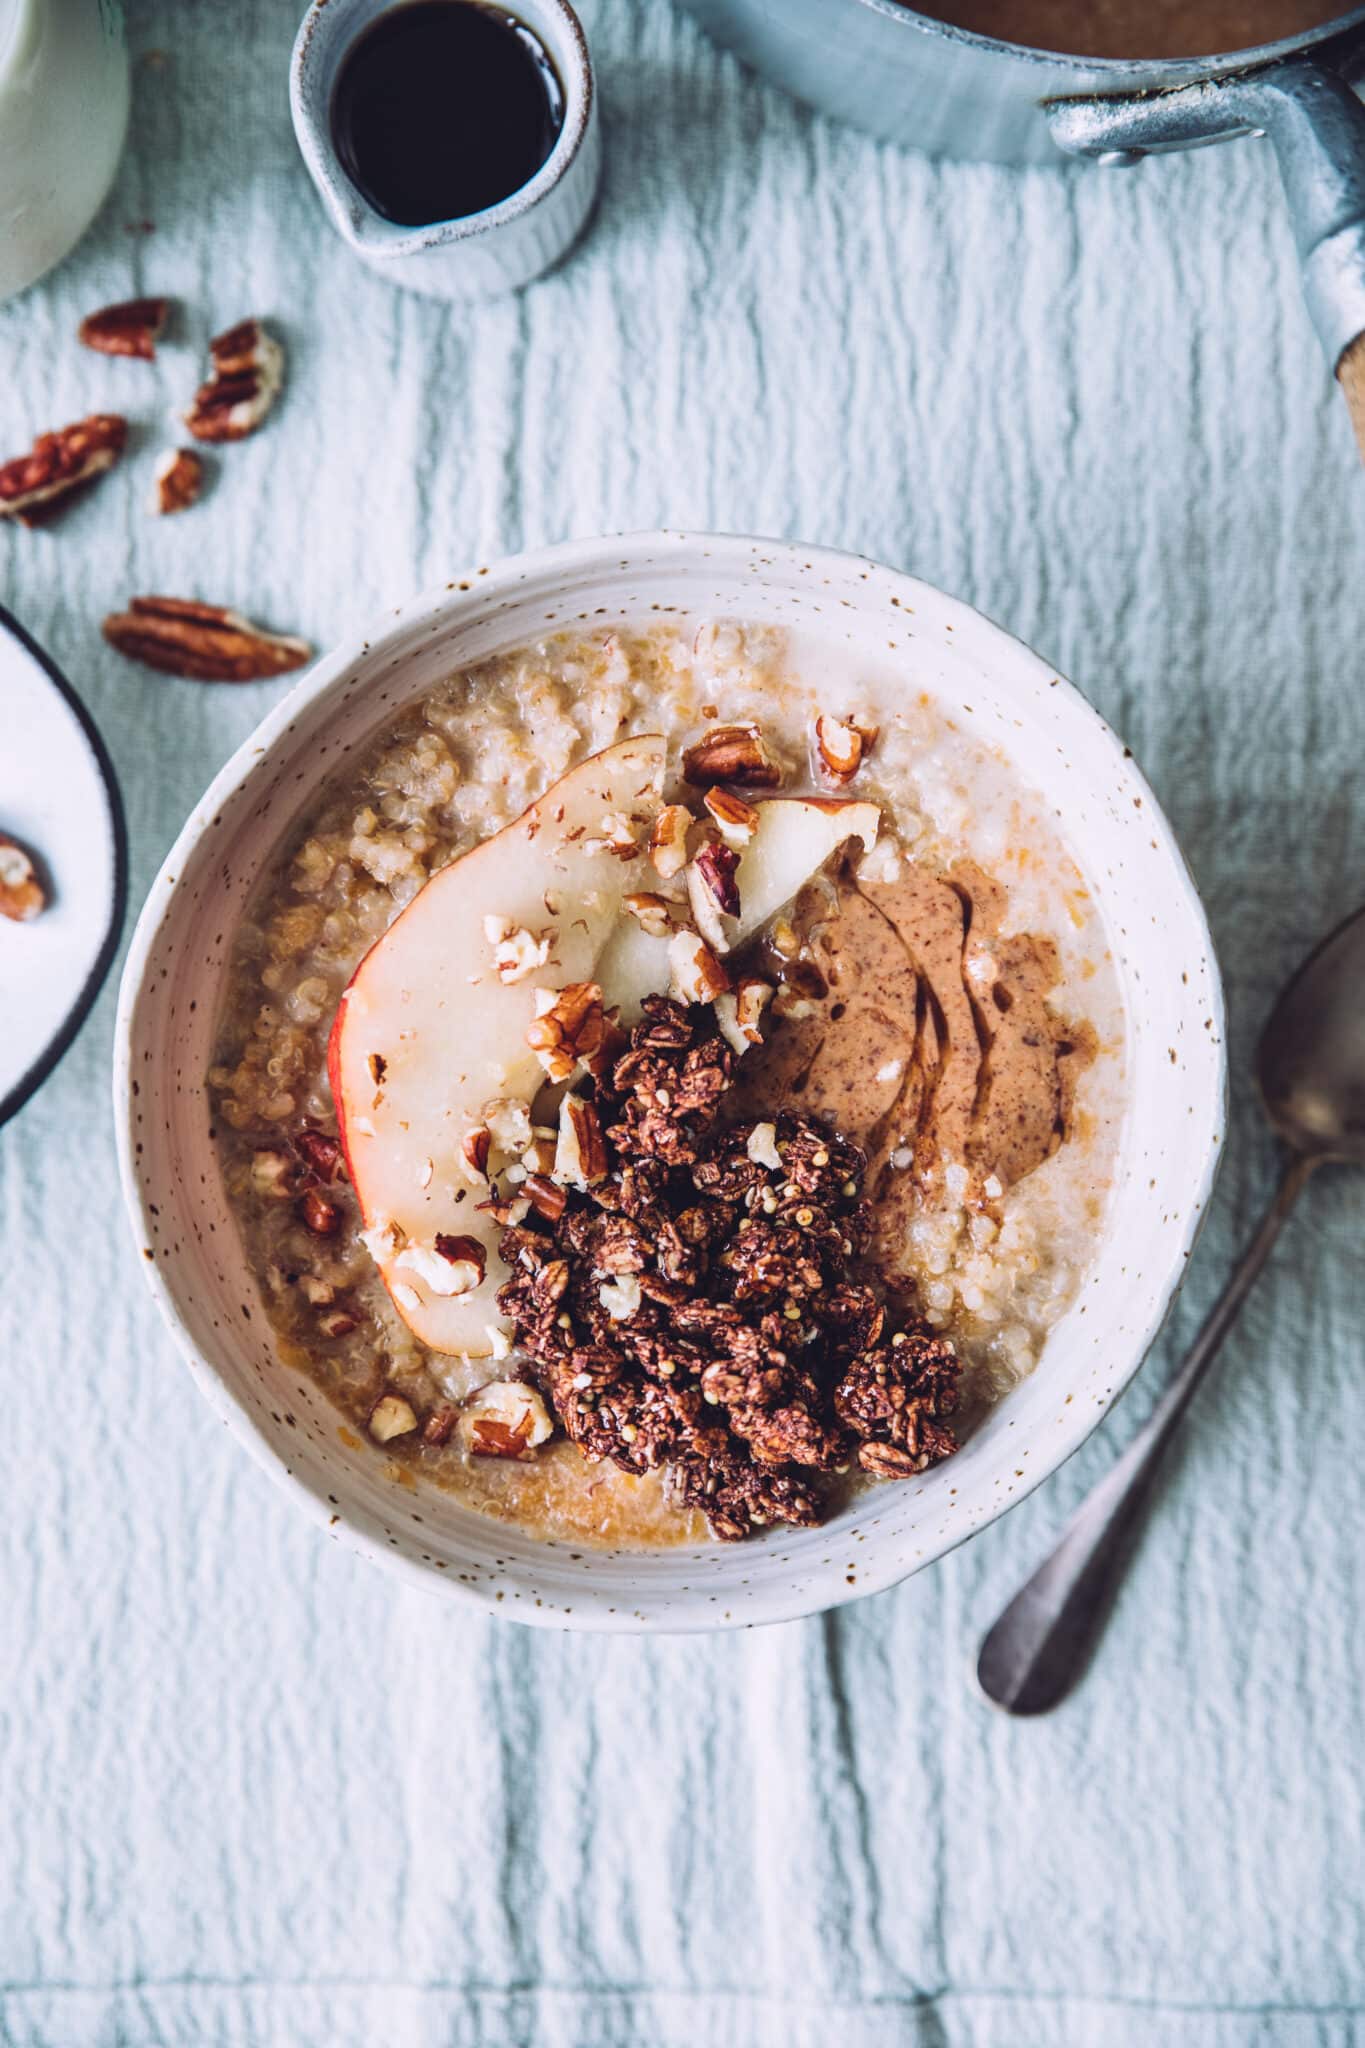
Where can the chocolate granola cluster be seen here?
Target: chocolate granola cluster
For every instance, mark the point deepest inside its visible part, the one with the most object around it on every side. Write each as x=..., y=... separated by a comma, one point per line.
x=696, y=1305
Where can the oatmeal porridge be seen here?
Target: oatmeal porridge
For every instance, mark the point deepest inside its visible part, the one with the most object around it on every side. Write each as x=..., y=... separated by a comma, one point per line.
x=671, y=1080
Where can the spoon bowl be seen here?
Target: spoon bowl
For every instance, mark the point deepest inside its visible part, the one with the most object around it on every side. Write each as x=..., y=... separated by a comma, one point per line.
x=1310, y=1071
x=1310, y=1065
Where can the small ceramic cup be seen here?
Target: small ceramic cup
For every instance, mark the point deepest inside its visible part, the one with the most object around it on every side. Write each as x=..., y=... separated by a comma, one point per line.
x=482, y=254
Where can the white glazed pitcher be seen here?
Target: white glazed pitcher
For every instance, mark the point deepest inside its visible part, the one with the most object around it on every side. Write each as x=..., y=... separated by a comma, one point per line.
x=63, y=117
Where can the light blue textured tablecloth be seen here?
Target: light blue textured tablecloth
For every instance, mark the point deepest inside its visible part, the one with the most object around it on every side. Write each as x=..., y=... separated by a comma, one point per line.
x=251, y=1791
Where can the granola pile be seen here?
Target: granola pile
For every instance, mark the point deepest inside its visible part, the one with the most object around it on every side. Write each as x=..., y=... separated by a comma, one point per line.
x=696, y=1302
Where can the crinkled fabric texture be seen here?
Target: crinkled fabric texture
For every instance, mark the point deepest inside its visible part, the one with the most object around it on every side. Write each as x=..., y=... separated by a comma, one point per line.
x=251, y=1790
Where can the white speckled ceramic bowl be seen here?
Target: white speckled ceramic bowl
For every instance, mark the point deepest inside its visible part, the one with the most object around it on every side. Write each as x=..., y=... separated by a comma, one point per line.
x=174, y=978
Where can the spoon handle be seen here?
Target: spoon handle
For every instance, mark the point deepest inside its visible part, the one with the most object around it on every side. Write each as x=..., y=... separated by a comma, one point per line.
x=1039, y=1646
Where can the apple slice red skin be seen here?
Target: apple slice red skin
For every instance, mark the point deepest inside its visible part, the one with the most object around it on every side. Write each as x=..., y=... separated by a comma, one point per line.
x=622, y=779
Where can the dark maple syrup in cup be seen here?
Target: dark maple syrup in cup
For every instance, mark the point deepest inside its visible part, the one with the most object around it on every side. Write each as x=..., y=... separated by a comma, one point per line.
x=443, y=108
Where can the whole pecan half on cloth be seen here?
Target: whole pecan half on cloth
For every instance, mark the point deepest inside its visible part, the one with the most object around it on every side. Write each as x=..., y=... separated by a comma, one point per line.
x=206, y=642
x=132, y=327
x=60, y=463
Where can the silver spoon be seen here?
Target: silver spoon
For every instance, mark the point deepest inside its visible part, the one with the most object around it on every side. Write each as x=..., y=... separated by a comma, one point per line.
x=1310, y=1070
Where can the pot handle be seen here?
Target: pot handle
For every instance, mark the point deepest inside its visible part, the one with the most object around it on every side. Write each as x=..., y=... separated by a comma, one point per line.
x=1316, y=125
x=1351, y=377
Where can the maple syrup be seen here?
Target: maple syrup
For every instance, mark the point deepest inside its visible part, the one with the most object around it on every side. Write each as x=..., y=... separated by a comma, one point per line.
x=443, y=108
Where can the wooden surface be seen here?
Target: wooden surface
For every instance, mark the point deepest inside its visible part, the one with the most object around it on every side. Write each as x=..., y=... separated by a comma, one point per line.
x=1351, y=377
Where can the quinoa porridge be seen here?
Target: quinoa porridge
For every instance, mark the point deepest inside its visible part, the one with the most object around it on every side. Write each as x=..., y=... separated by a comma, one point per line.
x=828, y=1080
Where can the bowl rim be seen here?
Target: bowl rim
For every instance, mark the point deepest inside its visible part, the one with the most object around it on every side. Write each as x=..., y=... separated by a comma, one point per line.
x=444, y=603
x=72, y=1024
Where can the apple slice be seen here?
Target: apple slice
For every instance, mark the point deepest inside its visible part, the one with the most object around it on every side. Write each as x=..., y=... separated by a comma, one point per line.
x=432, y=1028
x=794, y=837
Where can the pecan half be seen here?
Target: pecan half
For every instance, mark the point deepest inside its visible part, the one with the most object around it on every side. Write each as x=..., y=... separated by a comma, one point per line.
x=60, y=463
x=732, y=753
x=132, y=327
x=842, y=747
x=568, y=1027
x=668, y=841
x=177, y=481
x=22, y=895
x=248, y=373
x=207, y=642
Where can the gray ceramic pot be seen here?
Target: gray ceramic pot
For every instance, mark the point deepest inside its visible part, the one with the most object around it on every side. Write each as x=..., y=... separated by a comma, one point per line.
x=886, y=68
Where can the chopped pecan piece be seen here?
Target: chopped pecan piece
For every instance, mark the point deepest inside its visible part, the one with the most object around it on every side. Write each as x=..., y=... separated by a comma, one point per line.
x=737, y=821
x=544, y=1197
x=568, y=1027
x=842, y=747
x=507, y=1210
x=60, y=463
x=132, y=327
x=439, y=1426
x=654, y=914
x=517, y=952
x=697, y=976
x=615, y=835
x=505, y=1419
x=206, y=642
x=336, y=1323
x=740, y=1014
x=581, y=1153
x=319, y=1215
x=474, y=1146
x=731, y=753
x=321, y=1153
x=467, y=1259
x=391, y=1416
x=22, y=895
x=177, y=482
x=713, y=893
x=668, y=841
x=248, y=374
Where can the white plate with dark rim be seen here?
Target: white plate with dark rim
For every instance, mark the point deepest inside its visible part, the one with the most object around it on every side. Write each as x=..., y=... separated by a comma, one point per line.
x=59, y=798
x=173, y=985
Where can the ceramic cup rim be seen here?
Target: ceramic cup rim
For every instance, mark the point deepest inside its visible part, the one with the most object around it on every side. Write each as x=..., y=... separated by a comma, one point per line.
x=442, y=611
x=366, y=229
